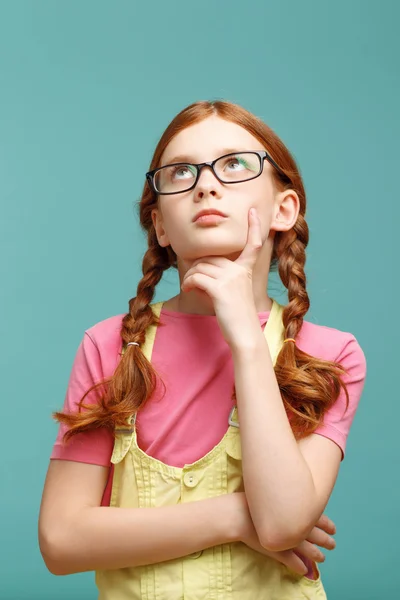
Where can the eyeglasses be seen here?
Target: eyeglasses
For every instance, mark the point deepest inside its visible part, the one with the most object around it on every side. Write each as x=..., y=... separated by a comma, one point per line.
x=230, y=168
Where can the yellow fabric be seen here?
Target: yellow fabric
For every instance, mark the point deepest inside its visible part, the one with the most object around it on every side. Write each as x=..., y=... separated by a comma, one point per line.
x=224, y=572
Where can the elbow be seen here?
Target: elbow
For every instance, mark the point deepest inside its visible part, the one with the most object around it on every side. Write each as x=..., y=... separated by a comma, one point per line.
x=55, y=568
x=52, y=550
x=282, y=539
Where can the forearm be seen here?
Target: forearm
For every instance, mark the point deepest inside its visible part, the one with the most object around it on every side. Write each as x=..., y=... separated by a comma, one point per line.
x=113, y=538
x=279, y=486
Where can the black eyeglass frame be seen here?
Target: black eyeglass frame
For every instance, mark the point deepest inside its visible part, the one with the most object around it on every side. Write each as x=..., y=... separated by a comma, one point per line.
x=262, y=155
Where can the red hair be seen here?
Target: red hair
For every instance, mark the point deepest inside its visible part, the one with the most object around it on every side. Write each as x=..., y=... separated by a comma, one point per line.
x=309, y=386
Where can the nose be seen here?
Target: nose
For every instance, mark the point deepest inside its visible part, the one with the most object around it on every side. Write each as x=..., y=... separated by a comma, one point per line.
x=207, y=183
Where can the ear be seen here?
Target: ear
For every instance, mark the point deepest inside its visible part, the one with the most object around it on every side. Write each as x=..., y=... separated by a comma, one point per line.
x=286, y=210
x=161, y=234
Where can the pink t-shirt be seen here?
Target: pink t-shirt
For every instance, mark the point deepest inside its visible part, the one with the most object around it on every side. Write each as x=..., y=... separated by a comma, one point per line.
x=195, y=363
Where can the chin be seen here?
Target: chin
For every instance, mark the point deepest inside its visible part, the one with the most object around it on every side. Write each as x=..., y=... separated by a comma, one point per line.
x=208, y=245
x=229, y=251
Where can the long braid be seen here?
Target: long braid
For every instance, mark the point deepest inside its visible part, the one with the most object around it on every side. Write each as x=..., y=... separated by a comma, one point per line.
x=309, y=386
x=291, y=271
x=134, y=372
x=134, y=379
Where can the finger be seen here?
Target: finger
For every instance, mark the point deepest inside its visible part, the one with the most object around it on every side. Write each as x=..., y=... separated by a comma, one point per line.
x=321, y=538
x=201, y=282
x=206, y=268
x=291, y=560
x=326, y=524
x=254, y=241
x=310, y=551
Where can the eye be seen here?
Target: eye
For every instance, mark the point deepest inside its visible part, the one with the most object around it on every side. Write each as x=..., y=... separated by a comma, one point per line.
x=239, y=163
x=182, y=172
x=236, y=163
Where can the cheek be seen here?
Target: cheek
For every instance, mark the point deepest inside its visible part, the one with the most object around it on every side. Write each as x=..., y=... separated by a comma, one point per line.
x=261, y=199
x=265, y=215
x=259, y=192
x=178, y=228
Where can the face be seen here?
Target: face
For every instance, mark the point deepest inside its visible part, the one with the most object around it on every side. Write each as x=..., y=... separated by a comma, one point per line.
x=173, y=219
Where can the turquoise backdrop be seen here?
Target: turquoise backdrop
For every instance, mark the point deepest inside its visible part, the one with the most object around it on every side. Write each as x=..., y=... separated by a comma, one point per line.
x=86, y=89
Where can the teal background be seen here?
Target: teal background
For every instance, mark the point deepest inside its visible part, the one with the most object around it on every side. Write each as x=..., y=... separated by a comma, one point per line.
x=86, y=89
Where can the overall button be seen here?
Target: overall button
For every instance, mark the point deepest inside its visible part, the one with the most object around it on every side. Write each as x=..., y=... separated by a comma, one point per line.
x=190, y=479
x=195, y=554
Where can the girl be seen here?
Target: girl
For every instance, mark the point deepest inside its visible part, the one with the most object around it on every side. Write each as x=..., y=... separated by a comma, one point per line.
x=162, y=480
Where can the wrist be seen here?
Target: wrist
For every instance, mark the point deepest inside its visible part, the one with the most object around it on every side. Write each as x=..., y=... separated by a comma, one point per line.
x=250, y=343
x=233, y=516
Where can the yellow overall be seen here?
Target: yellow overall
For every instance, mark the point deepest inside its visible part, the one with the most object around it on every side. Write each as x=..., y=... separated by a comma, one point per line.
x=224, y=572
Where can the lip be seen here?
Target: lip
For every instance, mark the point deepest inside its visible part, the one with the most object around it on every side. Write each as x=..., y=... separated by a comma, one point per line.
x=209, y=211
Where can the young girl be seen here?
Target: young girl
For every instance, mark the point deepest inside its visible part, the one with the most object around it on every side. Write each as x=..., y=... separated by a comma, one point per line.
x=202, y=436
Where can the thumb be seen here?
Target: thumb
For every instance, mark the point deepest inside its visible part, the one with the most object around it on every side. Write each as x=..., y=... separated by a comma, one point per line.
x=251, y=250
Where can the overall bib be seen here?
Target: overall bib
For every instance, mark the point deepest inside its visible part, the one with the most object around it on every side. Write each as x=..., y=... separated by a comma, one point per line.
x=224, y=572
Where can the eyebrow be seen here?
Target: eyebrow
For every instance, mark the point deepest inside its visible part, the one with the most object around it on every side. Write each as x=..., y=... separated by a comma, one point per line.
x=187, y=158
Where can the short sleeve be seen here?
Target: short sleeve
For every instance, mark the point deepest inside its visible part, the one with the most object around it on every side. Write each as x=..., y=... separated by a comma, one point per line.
x=94, y=447
x=338, y=420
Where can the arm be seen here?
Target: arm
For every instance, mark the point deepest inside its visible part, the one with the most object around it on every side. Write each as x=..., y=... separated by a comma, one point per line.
x=77, y=534
x=288, y=484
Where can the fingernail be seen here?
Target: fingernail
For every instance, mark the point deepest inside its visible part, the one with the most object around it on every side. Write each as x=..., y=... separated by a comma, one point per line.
x=252, y=212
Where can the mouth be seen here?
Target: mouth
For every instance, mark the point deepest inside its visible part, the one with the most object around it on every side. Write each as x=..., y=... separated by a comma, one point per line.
x=212, y=214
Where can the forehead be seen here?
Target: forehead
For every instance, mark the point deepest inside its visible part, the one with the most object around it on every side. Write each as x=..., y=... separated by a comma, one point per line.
x=207, y=140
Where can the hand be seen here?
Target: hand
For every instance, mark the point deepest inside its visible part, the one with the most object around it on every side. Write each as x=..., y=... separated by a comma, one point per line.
x=229, y=285
x=290, y=558
x=320, y=535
